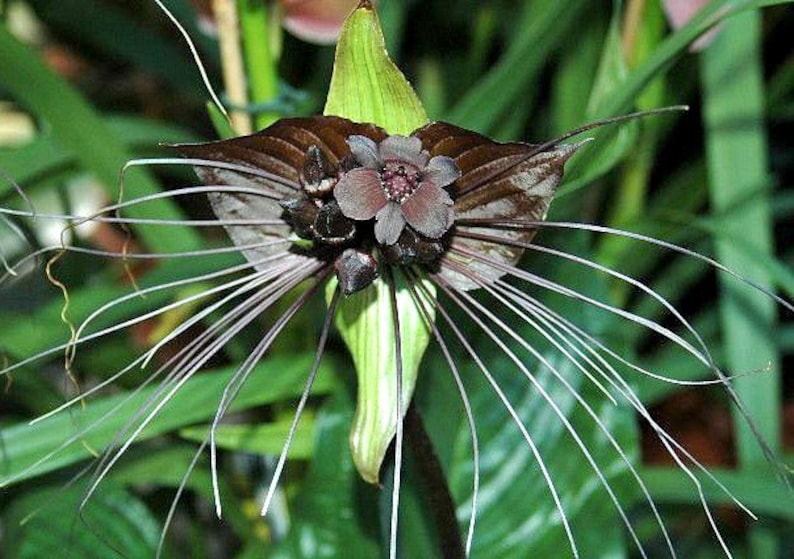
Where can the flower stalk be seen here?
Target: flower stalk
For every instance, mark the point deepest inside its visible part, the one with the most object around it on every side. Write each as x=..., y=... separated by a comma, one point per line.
x=260, y=57
x=234, y=76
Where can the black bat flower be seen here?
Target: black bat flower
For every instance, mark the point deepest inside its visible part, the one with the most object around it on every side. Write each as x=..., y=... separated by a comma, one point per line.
x=427, y=219
x=364, y=199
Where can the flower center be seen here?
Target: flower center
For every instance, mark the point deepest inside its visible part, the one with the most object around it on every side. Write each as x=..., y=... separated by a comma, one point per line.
x=399, y=180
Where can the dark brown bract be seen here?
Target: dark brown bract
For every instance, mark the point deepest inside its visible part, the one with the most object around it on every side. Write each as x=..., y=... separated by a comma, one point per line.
x=352, y=194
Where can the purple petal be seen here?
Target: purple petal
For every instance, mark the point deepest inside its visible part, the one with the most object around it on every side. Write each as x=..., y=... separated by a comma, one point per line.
x=365, y=150
x=359, y=193
x=442, y=171
x=403, y=148
x=428, y=210
x=390, y=223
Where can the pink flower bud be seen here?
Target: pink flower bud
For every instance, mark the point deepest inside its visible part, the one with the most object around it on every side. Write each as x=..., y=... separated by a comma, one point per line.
x=679, y=12
x=316, y=21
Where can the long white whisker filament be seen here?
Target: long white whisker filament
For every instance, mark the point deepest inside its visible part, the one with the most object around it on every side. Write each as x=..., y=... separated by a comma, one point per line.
x=83, y=431
x=196, y=58
x=80, y=339
x=190, y=367
x=561, y=289
x=250, y=283
x=181, y=254
x=617, y=382
x=185, y=357
x=531, y=224
x=518, y=298
x=584, y=370
x=510, y=410
x=213, y=164
x=99, y=218
x=468, y=300
x=19, y=233
x=668, y=442
x=704, y=357
x=244, y=370
x=398, y=437
x=282, y=459
x=184, y=191
x=549, y=317
x=177, y=496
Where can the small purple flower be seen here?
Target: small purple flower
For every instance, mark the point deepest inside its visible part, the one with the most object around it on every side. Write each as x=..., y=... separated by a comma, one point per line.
x=398, y=184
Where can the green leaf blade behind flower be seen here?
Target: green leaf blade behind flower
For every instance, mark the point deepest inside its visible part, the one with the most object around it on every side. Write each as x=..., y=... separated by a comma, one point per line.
x=34, y=450
x=366, y=324
x=366, y=86
x=516, y=514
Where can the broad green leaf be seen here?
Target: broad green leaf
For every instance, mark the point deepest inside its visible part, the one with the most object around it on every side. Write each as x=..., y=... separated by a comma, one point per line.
x=260, y=439
x=575, y=73
x=25, y=334
x=542, y=26
x=759, y=491
x=119, y=35
x=736, y=142
x=516, y=516
x=334, y=515
x=49, y=523
x=166, y=468
x=613, y=143
x=94, y=426
x=736, y=147
x=676, y=44
x=45, y=155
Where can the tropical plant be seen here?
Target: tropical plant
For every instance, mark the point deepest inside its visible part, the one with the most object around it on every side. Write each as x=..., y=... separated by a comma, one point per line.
x=563, y=406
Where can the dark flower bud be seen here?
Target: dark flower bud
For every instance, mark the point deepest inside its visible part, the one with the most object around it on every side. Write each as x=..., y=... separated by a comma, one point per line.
x=319, y=175
x=411, y=249
x=355, y=270
x=300, y=213
x=331, y=226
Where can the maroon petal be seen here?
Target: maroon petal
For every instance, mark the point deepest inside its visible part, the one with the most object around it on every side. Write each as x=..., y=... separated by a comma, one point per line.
x=442, y=171
x=365, y=150
x=428, y=210
x=359, y=193
x=390, y=223
x=404, y=148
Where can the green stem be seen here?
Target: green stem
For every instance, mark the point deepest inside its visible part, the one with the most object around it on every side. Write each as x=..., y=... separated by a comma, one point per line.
x=733, y=97
x=260, y=60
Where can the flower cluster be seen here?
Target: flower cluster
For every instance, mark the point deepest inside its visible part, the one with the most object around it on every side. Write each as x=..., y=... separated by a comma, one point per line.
x=395, y=183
